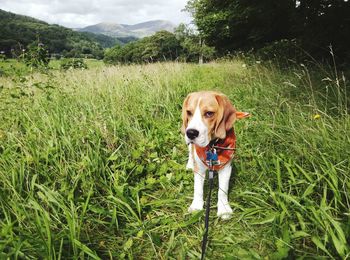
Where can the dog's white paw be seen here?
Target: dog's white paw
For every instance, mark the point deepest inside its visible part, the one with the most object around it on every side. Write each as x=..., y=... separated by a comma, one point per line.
x=196, y=205
x=224, y=211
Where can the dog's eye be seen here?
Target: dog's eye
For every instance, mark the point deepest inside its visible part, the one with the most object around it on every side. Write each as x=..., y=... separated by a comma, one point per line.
x=189, y=113
x=209, y=114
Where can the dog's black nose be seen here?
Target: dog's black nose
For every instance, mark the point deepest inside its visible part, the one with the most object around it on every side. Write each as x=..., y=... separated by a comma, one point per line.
x=192, y=133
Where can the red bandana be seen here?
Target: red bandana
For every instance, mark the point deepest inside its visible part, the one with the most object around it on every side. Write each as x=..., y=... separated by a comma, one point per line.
x=224, y=155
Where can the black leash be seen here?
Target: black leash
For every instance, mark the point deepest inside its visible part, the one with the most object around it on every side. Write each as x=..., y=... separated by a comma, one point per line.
x=207, y=210
x=212, y=160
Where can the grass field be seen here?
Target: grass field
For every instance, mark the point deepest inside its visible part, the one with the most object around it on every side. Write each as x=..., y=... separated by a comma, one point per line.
x=92, y=164
x=12, y=67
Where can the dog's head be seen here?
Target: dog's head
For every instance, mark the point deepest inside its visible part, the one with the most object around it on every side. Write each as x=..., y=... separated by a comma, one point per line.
x=207, y=115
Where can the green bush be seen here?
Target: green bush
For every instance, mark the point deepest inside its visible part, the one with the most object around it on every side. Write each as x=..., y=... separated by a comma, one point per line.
x=184, y=45
x=37, y=55
x=74, y=63
x=282, y=50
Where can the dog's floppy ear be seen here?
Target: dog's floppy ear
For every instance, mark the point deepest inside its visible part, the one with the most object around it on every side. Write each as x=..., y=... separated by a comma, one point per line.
x=240, y=115
x=184, y=114
x=225, y=118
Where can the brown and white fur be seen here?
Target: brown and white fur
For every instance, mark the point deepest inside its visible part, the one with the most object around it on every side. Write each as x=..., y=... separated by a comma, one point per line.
x=207, y=115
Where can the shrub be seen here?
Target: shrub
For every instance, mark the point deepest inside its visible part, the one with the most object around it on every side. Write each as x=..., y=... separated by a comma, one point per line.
x=2, y=57
x=74, y=63
x=282, y=50
x=37, y=55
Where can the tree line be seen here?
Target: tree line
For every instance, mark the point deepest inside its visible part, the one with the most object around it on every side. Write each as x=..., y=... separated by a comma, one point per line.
x=290, y=29
x=19, y=32
x=313, y=25
x=293, y=29
x=182, y=45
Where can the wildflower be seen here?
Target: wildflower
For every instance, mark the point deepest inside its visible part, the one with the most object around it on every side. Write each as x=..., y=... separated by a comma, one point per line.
x=244, y=65
x=317, y=116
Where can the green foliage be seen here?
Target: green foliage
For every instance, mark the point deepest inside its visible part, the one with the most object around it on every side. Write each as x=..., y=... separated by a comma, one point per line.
x=36, y=56
x=11, y=67
x=182, y=45
x=162, y=46
x=107, y=41
x=193, y=45
x=282, y=51
x=73, y=63
x=18, y=31
x=113, y=55
x=92, y=164
x=104, y=40
x=244, y=25
x=240, y=24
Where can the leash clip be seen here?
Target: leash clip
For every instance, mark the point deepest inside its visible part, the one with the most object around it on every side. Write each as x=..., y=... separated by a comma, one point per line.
x=211, y=174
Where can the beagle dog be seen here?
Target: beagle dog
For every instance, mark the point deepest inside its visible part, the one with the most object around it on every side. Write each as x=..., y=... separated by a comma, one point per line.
x=208, y=119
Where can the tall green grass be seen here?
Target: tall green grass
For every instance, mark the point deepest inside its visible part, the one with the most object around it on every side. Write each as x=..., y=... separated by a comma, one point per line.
x=11, y=67
x=92, y=164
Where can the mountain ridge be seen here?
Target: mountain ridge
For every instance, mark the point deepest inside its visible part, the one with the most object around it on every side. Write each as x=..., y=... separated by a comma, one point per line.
x=19, y=31
x=138, y=30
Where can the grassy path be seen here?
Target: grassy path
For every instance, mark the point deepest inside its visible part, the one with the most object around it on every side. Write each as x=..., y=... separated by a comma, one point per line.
x=92, y=164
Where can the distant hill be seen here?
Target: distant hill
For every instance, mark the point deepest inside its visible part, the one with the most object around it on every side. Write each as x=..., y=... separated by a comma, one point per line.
x=18, y=31
x=139, y=30
x=107, y=41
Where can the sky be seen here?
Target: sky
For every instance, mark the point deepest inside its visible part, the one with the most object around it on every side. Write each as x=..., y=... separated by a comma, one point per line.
x=80, y=13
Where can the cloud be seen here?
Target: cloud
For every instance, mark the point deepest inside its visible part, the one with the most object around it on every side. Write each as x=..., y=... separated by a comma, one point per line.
x=79, y=13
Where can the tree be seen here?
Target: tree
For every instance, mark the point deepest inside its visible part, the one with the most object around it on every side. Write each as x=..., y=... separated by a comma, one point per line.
x=184, y=44
x=241, y=24
x=324, y=23
x=194, y=47
x=162, y=46
x=231, y=25
x=112, y=55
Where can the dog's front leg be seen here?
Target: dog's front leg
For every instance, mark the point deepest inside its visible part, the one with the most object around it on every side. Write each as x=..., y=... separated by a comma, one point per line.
x=224, y=209
x=199, y=178
x=190, y=162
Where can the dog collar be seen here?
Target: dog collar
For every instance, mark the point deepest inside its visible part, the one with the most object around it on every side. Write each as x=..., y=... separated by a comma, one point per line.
x=225, y=149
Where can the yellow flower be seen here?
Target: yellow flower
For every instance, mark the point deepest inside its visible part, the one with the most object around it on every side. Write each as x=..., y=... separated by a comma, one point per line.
x=317, y=116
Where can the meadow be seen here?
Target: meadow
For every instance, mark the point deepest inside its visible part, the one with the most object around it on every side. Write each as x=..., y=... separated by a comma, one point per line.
x=92, y=163
x=11, y=67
